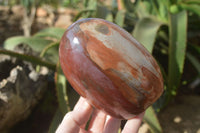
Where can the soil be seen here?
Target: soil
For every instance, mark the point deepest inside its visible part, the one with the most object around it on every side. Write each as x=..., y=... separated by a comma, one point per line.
x=182, y=115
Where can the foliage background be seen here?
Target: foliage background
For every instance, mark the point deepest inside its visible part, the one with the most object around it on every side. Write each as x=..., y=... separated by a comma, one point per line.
x=168, y=29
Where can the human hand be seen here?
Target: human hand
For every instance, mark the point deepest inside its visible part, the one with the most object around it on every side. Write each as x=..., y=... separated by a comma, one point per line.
x=76, y=120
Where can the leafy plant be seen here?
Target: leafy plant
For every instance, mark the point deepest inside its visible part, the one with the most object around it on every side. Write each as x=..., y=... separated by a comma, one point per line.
x=162, y=27
x=71, y=3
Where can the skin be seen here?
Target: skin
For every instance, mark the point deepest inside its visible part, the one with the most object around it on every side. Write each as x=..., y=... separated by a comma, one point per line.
x=76, y=120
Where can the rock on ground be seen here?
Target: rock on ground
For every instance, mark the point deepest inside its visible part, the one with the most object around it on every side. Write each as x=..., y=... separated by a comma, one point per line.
x=21, y=88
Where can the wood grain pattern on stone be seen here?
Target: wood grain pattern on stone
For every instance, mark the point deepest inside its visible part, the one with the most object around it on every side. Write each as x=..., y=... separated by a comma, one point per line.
x=108, y=67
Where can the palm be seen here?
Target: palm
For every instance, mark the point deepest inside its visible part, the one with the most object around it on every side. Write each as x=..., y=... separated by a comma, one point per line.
x=75, y=121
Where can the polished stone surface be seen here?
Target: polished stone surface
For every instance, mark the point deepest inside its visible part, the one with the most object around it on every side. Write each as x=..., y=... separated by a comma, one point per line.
x=108, y=67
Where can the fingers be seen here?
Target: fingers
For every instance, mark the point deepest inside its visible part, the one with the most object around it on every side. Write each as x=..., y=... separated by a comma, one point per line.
x=97, y=122
x=102, y=123
x=132, y=125
x=68, y=125
x=76, y=119
x=82, y=112
x=112, y=125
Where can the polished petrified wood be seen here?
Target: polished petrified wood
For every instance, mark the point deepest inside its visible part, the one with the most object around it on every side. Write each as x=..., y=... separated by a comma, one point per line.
x=108, y=67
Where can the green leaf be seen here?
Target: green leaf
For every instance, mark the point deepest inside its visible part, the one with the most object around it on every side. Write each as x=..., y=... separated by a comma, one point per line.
x=195, y=62
x=50, y=52
x=119, y=19
x=61, y=90
x=34, y=42
x=28, y=3
x=192, y=1
x=52, y=55
x=91, y=4
x=109, y=17
x=51, y=32
x=162, y=8
x=81, y=13
x=143, y=9
x=104, y=13
x=177, y=49
x=151, y=119
x=128, y=5
x=56, y=121
x=30, y=58
x=154, y=8
x=191, y=7
x=195, y=48
x=145, y=32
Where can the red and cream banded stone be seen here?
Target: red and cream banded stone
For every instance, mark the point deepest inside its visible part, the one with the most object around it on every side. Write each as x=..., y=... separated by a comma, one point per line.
x=108, y=67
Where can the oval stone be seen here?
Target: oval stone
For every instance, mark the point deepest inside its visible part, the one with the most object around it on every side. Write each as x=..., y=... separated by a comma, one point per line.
x=108, y=67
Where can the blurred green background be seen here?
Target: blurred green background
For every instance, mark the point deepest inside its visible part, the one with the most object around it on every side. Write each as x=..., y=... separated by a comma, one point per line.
x=169, y=29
